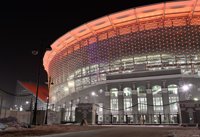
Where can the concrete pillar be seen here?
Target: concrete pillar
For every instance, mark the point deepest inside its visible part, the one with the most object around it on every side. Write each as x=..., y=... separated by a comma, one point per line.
x=106, y=106
x=149, y=96
x=67, y=113
x=71, y=110
x=165, y=99
x=63, y=114
x=134, y=103
x=121, y=104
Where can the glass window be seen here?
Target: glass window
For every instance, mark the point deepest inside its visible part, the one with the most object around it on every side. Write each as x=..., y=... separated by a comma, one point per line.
x=156, y=89
x=173, y=89
x=154, y=59
x=86, y=80
x=104, y=67
x=114, y=67
x=157, y=104
x=140, y=60
x=78, y=82
x=85, y=71
x=141, y=90
x=128, y=104
x=127, y=63
x=114, y=104
x=114, y=92
x=78, y=73
x=71, y=77
x=142, y=105
x=100, y=108
x=71, y=86
x=94, y=68
x=181, y=59
x=93, y=79
x=102, y=77
x=173, y=104
x=127, y=91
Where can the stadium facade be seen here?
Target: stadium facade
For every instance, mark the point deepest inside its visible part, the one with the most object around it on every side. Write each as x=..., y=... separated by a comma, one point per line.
x=139, y=63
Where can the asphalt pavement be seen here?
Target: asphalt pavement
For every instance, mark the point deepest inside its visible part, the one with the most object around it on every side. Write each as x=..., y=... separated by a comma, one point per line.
x=120, y=131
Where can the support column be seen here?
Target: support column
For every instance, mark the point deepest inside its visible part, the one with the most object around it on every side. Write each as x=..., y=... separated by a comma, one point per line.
x=165, y=98
x=121, y=104
x=134, y=103
x=149, y=96
x=63, y=114
x=106, y=106
x=181, y=93
x=71, y=111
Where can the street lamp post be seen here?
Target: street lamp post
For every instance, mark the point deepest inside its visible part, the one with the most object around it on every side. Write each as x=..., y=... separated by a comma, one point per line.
x=35, y=52
x=39, y=54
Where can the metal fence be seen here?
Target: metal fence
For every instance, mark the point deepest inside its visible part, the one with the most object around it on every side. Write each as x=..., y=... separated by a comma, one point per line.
x=138, y=119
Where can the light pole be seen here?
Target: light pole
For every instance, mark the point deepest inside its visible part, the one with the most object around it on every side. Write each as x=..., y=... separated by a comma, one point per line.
x=39, y=54
x=35, y=52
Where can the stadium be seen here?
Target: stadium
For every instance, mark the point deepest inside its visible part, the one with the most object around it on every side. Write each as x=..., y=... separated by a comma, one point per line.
x=138, y=64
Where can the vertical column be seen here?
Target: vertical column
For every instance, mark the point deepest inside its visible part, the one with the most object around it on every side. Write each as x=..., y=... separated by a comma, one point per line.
x=90, y=75
x=181, y=93
x=134, y=103
x=106, y=106
x=120, y=104
x=149, y=96
x=67, y=113
x=165, y=99
x=63, y=114
x=71, y=111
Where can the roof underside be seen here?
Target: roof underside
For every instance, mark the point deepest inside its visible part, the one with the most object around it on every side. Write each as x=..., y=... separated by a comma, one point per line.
x=43, y=92
x=140, y=15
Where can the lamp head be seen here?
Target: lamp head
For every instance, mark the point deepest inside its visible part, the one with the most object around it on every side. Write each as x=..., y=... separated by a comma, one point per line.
x=35, y=52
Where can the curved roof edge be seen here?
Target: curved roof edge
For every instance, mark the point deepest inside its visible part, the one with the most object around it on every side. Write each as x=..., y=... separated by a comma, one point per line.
x=135, y=15
x=31, y=87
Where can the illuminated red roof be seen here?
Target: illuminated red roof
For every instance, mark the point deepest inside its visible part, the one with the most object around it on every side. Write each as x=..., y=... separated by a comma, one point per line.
x=31, y=87
x=135, y=16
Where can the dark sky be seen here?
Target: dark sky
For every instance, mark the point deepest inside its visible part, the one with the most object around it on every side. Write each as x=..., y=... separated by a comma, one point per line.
x=28, y=25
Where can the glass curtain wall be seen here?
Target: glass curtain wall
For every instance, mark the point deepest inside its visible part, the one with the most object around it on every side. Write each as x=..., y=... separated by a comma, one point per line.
x=114, y=104
x=127, y=100
x=157, y=99
x=142, y=100
x=173, y=98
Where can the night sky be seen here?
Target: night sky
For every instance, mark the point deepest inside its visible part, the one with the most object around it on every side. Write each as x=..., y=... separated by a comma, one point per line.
x=28, y=25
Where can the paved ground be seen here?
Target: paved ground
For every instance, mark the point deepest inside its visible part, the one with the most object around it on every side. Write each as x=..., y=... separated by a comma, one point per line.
x=119, y=131
x=102, y=131
x=45, y=130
